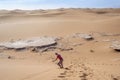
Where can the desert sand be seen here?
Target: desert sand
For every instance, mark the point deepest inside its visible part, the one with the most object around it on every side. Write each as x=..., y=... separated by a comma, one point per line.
x=83, y=59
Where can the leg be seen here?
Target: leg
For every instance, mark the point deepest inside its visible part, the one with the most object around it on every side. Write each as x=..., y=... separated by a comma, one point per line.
x=61, y=63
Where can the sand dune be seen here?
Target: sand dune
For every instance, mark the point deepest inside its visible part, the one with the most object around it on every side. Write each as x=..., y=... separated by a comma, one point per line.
x=83, y=60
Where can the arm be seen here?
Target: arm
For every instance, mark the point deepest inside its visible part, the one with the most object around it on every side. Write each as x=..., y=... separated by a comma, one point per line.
x=55, y=59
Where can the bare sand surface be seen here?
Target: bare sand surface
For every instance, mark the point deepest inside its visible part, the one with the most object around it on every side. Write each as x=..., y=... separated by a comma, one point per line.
x=88, y=60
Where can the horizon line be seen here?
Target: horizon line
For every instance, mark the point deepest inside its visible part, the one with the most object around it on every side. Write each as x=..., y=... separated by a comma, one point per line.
x=57, y=8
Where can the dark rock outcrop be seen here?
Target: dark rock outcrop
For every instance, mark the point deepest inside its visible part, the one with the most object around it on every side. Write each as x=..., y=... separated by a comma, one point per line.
x=116, y=46
x=41, y=42
x=84, y=36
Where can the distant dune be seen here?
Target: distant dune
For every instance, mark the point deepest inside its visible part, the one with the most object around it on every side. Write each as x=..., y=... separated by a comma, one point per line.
x=25, y=23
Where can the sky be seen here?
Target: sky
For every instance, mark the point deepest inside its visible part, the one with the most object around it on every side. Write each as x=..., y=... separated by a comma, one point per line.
x=53, y=4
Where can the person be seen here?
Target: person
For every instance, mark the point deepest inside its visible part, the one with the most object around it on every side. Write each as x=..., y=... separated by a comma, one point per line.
x=60, y=63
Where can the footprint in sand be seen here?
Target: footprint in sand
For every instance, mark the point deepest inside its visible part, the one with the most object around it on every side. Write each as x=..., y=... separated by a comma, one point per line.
x=79, y=71
x=67, y=68
x=83, y=76
x=115, y=77
x=64, y=73
x=61, y=76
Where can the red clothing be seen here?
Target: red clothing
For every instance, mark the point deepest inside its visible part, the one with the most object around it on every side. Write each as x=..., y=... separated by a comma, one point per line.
x=59, y=57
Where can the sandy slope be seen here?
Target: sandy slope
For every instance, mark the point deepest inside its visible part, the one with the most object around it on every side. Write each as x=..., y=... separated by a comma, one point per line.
x=27, y=66
x=101, y=64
